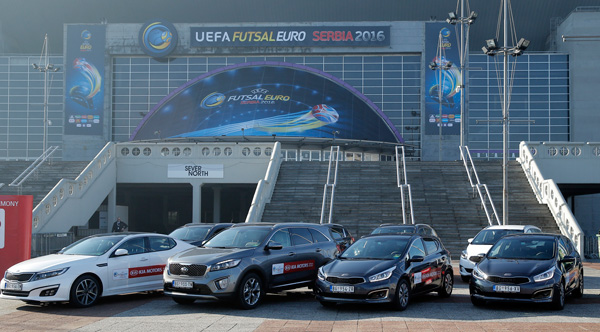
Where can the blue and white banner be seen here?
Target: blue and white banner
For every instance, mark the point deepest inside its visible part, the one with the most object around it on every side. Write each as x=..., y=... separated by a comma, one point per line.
x=84, y=79
x=446, y=81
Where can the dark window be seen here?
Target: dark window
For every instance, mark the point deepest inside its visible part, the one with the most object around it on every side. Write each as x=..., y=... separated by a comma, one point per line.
x=159, y=243
x=416, y=249
x=318, y=236
x=431, y=245
x=337, y=232
x=282, y=236
x=134, y=246
x=301, y=236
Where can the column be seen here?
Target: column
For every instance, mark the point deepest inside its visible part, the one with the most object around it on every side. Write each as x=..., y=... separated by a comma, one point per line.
x=196, y=202
x=112, y=208
x=216, y=204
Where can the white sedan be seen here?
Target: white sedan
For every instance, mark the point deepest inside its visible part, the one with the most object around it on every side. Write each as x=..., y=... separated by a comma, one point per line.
x=99, y=265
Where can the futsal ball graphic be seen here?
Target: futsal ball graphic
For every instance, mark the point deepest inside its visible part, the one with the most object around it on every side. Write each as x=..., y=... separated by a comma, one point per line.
x=325, y=113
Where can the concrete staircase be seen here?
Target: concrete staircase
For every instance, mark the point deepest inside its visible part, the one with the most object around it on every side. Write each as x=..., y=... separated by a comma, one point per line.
x=523, y=207
x=367, y=195
x=41, y=181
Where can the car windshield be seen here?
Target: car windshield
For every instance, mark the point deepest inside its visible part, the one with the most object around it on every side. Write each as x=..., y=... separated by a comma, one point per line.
x=394, y=230
x=376, y=248
x=193, y=233
x=523, y=248
x=92, y=246
x=491, y=236
x=239, y=237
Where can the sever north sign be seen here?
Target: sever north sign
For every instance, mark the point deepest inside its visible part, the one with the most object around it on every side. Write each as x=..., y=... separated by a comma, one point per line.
x=205, y=171
x=301, y=36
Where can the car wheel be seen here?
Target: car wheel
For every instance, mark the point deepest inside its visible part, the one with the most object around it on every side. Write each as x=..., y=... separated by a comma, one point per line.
x=465, y=278
x=250, y=292
x=183, y=300
x=85, y=291
x=447, y=284
x=327, y=304
x=558, y=300
x=578, y=292
x=477, y=301
x=402, y=295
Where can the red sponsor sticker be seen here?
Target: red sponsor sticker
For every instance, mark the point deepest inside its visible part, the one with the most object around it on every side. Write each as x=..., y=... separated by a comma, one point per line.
x=145, y=271
x=298, y=266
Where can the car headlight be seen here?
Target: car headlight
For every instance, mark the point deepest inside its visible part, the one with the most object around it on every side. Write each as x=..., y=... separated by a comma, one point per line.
x=320, y=274
x=463, y=254
x=48, y=274
x=477, y=274
x=224, y=265
x=382, y=275
x=545, y=275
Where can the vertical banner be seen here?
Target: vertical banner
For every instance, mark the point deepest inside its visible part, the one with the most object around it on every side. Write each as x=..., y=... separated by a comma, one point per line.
x=84, y=79
x=447, y=80
x=15, y=230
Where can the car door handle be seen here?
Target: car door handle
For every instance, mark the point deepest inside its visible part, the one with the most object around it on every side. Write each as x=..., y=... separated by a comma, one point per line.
x=143, y=259
x=318, y=250
x=291, y=253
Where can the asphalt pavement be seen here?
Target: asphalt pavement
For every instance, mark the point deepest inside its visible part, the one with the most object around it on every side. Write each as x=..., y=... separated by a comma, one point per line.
x=298, y=311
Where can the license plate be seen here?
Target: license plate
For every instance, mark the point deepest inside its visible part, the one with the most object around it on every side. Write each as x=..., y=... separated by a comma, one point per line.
x=342, y=289
x=507, y=289
x=13, y=286
x=183, y=284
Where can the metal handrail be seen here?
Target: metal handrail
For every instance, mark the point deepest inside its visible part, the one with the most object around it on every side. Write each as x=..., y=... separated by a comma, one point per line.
x=265, y=187
x=484, y=195
x=33, y=167
x=404, y=187
x=335, y=150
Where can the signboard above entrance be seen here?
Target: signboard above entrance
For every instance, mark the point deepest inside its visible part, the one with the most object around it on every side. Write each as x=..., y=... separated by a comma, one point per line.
x=300, y=36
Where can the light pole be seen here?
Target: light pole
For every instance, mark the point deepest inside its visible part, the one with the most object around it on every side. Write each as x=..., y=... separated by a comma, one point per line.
x=492, y=49
x=463, y=51
x=440, y=63
x=45, y=68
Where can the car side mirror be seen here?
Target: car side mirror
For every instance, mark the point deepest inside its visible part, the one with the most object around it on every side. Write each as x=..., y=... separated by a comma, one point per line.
x=568, y=259
x=470, y=240
x=416, y=259
x=273, y=246
x=121, y=252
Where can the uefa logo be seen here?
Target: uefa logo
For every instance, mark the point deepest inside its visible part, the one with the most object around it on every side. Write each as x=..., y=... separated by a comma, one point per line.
x=158, y=38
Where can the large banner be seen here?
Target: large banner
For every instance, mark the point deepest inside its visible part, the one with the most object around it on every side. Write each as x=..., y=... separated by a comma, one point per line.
x=302, y=36
x=446, y=81
x=15, y=230
x=84, y=79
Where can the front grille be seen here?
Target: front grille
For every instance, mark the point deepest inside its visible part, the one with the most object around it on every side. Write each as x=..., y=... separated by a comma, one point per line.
x=15, y=293
x=506, y=280
x=351, y=281
x=193, y=270
x=18, y=276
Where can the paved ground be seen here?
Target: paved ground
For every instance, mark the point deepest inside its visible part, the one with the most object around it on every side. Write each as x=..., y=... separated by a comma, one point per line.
x=298, y=311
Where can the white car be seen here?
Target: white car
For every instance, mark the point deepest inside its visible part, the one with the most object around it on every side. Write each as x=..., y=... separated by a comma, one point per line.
x=483, y=241
x=99, y=265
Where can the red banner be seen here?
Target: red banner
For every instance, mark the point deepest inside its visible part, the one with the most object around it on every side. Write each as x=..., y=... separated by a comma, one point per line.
x=15, y=230
x=146, y=271
x=298, y=266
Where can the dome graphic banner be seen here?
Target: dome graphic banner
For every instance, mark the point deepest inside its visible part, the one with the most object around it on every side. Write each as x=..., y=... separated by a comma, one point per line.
x=265, y=99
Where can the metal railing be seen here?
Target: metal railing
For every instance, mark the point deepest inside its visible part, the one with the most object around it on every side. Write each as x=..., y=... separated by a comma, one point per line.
x=33, y=167
x=402, y=182
x=481, y=189
x=71, y=189
x=265, y=187
x=331, y=183
x=548, y=192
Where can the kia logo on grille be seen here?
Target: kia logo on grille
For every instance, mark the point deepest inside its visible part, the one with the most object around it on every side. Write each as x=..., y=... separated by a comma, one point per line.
x=184, y=269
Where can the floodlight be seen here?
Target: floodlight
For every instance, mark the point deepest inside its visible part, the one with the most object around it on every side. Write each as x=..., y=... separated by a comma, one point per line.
x=492, y=44
x=433, y=65
x=523, y=44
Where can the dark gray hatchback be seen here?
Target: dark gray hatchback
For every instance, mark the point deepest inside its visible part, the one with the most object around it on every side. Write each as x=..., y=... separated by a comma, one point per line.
x=245, y=261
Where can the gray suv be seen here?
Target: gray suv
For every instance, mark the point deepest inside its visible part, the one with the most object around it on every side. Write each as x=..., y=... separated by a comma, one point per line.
x=245, y=261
